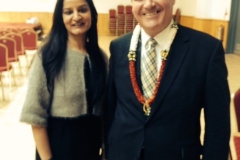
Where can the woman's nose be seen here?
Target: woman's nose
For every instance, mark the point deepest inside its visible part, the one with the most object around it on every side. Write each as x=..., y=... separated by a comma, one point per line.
x=76, y=16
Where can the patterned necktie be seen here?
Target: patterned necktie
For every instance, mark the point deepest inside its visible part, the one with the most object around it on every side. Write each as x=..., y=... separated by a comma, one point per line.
x=149, y=69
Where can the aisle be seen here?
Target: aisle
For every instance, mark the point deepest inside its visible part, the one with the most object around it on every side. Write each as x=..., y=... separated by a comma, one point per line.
x=15, y=137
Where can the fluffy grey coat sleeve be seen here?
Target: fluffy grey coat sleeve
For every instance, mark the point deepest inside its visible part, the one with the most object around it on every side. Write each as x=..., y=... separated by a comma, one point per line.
x=35, y=108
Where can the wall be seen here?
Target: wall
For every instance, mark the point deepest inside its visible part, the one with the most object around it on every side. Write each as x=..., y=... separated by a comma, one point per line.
x=206, y=9
x=216, y=9
x=203, y=15
x=207, y=16
x=237, y=40
x=27, y=5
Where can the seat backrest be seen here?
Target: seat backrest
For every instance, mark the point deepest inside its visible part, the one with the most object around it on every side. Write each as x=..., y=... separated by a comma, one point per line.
x=3, y=32
x=236, y=101
x=19, y=42
x=128, y=9
x=3, y=58
x=24, y=29
x=14, y=30
x=112, y=13
x=29, y=39
x=236, y=141
x=11, y=45
x=120, y=9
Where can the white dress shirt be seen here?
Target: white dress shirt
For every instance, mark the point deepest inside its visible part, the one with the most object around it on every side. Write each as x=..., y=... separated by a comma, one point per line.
x=161, y=38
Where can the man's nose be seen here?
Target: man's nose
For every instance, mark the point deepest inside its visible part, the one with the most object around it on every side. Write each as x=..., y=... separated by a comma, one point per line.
x=149, y=3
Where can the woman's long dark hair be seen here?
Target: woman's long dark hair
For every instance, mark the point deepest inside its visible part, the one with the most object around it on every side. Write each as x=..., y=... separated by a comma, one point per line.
x=54, y=52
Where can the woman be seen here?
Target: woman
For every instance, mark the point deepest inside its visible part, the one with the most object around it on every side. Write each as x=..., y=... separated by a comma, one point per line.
x=66, y=86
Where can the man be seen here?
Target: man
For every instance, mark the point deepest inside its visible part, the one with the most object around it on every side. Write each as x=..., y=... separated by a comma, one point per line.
x=162, y=122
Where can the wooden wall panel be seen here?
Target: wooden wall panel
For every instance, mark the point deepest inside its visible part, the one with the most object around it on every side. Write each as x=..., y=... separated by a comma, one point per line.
x=202, y=25
x=187, y=21
x=210, y=26
x=103, y=23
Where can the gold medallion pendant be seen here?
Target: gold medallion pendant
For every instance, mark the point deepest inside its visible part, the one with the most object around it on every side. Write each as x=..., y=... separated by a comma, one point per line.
x=146, y=109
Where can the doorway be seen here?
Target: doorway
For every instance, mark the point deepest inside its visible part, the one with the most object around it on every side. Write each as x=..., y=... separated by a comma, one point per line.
x=233, y=42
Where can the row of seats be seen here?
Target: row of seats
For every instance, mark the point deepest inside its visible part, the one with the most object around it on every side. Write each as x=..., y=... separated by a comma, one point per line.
x=236, y=136
x=16, y=46
x=121, y=20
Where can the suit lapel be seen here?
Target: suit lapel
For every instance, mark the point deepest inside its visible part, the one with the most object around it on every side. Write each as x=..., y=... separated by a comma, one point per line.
x=176, y=56
x=138, y=63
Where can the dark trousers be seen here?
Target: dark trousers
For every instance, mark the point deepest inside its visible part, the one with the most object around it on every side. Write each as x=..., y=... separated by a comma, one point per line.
x=75, y=138
x=142, y=155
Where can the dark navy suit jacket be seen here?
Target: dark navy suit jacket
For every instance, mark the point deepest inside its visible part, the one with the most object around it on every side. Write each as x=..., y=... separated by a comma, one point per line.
x=195, y=78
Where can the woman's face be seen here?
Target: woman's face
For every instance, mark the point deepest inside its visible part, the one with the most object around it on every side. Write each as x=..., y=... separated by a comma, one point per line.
x=76, y=17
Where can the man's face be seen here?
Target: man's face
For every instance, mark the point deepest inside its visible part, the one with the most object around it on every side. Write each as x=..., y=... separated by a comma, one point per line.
x=153, y=15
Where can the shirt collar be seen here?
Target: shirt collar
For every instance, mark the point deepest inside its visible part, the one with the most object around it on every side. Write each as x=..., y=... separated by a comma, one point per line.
x=161, y=37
